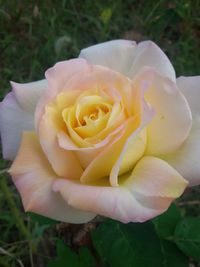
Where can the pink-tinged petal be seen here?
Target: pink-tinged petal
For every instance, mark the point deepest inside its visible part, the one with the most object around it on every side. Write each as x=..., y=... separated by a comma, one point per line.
x=186, y=159
x=57, y=77
x=172, y=121
x=64, y=162
x=128, y=58
x=62, y=72
x=34, y=177
x=13, y=121
x=28, y=94
x=117, y=55
x=146, y=193
x=148, y=54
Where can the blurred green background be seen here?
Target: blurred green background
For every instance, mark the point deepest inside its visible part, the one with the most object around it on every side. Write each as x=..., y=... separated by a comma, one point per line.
x=34, y=35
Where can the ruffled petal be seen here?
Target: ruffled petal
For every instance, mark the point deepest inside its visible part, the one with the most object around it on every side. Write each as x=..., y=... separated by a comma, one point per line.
x=186, y=159
x=34, y=177
x=28, y=94
x=13, y=121
x=146, y=193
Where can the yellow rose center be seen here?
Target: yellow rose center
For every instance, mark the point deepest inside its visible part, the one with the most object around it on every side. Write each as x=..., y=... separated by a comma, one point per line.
x=90, y=115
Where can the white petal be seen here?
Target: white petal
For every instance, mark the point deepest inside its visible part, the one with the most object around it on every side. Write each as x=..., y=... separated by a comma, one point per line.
x=117, y=55
x=173, y=119
x=149, y=54
x=13, y=121
x=128, y=58
x=186, y=159
x=190, y=87
x=28, y=94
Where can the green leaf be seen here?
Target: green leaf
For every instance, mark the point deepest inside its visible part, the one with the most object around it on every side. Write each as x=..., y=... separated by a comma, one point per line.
x=165, y=224
x=68, y=258
x=65, y=257
x=187, y=237
x=41, y=219
x=86, y=258
x=134, y=244
x=172, y=256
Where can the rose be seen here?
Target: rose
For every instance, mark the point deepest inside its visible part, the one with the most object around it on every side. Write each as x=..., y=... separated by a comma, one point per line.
x=108, y=133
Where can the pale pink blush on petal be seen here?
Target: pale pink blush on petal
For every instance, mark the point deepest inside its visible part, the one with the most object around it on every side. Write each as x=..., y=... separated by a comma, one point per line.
x=57, y=78
x=13, y=121
x=62, y=72
x=113, y=202
x=34, y=177
x=132, y=201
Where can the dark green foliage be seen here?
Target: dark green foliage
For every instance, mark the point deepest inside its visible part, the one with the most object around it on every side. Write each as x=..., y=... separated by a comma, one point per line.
x=187, y=237
x=41, y=220
x=68, y=258
x=135, y=244
x=165, y=224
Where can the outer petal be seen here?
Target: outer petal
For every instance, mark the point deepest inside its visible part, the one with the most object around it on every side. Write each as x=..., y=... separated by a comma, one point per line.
x=149, y=54
x=33, y=178
x=186, y=159
x=128, y=58
x=13, y=121
x=190, y=87
x=148, y=192
x=172, y=122
x=28, y=94
x=117, y=55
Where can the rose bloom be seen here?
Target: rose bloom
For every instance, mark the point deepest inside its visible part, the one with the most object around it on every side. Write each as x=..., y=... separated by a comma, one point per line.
x=110, y=133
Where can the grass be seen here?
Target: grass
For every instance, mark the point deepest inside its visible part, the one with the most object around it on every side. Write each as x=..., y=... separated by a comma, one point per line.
x=36, y=34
